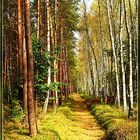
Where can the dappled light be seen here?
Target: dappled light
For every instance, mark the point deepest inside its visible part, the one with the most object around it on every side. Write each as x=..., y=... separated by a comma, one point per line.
x=70, y=70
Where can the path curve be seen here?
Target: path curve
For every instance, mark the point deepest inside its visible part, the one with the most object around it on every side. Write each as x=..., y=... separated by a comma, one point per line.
x=83, y=119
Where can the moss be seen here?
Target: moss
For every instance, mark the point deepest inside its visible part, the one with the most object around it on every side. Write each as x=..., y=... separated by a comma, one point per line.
x=115, y=121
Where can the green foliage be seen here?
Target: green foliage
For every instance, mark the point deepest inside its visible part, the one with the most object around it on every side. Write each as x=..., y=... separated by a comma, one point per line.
x=42, y=59
x=16, y=113
x=115, y=121
x=85, y=96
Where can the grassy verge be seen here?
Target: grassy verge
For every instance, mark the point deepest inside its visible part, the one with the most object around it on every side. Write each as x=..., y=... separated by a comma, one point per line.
x=51, y=126
x=115, y=121
x=86, y=96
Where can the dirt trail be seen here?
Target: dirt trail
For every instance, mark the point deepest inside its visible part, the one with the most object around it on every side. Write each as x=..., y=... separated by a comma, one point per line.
x=83, y=119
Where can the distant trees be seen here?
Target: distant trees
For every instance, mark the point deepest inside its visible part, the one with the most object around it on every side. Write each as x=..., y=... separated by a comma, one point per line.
x=111, y=31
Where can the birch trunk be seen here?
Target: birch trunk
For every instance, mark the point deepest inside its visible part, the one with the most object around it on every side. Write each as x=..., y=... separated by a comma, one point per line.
x=114, y=53
x=122, y=60
x=131, y=40
x=102, y=46
x=129, y=34
x=49, y=66
x=88, y=47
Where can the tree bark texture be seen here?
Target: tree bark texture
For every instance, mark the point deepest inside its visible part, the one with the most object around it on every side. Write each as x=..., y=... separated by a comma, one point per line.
x=30, y=72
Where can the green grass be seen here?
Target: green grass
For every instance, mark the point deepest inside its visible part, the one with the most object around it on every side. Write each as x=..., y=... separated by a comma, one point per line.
x=52, y=126
x=118, y=126
x=86, y=96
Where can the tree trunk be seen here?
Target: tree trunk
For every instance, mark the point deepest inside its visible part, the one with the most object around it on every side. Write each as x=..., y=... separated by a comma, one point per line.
x=52, y=55
x=24, y=63
x=114, y=53
x=88, y=47
x=5, y=63
x=45, y=28
x=19, y=22
x=55, y=45
x=102, y=46
x=49, y=66
x=131, y=41
x=60, y=58
x=129, y=34
x=38, y=19
x=30, y=72
x=122, y=60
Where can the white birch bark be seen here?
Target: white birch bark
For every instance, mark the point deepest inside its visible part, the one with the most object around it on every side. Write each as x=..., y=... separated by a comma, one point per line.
x=114, y=53
x=49, y=67
x=88, y=47
x=122, y=60
x=129, y=34
x=102, y=50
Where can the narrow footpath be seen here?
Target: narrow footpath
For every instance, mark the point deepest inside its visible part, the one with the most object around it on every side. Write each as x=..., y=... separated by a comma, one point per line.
x=84, y=120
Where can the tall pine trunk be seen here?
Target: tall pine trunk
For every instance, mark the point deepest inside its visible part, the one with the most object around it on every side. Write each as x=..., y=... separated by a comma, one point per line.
x=24, y=61
x=19, y=22
x=55, y=45
x=38, y=19
x=30, y=72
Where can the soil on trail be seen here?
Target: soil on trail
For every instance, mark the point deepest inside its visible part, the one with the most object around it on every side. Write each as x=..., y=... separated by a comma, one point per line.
x=83, y=119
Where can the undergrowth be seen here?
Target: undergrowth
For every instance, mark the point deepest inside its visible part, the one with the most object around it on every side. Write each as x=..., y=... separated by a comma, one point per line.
x=118, y=126
x=56, y=125
x=86, y=96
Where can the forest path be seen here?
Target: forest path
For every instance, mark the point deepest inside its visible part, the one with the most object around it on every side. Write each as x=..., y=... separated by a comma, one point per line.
x=83, y=119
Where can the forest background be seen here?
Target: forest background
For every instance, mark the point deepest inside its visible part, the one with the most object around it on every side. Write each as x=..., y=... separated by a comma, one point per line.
x=11, y=83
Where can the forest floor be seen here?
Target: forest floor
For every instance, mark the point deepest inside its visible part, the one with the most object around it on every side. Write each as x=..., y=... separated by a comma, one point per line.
x=71, y=121
x=83, y=119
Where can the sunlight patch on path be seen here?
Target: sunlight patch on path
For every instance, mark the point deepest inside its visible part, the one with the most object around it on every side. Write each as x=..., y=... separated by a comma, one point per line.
x=85, y=121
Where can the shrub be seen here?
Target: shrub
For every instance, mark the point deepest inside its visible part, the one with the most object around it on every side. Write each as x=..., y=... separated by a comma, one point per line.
x=16, y=113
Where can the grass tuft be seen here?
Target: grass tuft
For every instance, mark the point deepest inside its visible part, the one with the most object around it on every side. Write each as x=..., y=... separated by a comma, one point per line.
x=115, y=121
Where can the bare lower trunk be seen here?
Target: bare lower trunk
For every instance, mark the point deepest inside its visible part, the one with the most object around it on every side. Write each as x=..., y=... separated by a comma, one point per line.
x=19, y=35
x=88, y=46
x=55, y=44
x=45, y=107
x=24, y=64
x=48, y=49
x=122, y=60
x=114, y=53
x=129, y=35
x=30, y=72
x=38, y=18
x=102, y=49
